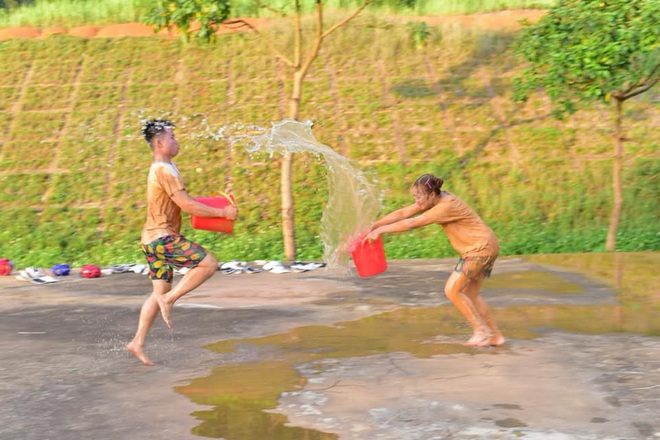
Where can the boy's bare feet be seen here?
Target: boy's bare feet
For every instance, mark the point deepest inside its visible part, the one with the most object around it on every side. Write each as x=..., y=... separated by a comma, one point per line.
x=165, y=309
x=139, y=353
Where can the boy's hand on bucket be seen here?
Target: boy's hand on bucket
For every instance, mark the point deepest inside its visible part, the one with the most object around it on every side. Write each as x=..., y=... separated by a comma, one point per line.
x=230, y=212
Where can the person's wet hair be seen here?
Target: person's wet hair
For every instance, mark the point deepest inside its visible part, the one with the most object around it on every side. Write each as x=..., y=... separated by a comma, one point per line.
x=154, y=128
x=429, y=183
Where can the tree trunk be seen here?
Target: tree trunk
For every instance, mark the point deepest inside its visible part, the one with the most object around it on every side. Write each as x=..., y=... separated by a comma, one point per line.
x=617, y=186
x=286, y=180
x=286, y=187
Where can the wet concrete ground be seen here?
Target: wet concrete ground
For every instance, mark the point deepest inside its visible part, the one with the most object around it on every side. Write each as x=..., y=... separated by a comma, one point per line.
x=327, y=355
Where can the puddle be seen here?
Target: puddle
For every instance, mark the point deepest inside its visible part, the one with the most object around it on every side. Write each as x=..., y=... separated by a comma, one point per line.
x=510, y=423
x=533, y=280
x=257, y=370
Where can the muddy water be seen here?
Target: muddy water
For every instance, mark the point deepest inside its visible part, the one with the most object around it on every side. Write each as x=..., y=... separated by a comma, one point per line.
x=584, y=294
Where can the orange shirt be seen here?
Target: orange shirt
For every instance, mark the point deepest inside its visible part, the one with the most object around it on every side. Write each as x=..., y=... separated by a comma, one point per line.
x=163, y=215
x=467, y=232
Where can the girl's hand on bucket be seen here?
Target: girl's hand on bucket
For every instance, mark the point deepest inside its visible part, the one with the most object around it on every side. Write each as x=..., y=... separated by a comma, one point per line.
x=371, y=237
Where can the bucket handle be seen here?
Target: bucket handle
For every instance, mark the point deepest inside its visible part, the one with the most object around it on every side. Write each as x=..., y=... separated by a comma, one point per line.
x=227, y=196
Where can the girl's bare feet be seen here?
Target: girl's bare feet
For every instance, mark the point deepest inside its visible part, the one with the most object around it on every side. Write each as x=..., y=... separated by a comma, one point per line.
x=479, y=339
x=139, y=353
x=496, y=340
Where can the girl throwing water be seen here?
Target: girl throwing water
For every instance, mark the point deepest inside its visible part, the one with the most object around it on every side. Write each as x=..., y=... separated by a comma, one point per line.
x=470, y=237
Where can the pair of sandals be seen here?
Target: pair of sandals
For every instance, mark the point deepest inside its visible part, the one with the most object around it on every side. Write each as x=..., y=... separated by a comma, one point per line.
x=36, y=276
x=300, y=266
x=234, y=267
x=131, y=267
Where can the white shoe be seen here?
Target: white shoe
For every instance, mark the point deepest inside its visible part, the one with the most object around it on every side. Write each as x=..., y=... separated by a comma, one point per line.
x=138, y=268
x=272, y=264
x=239, y=265
x=279, y=269
x=32, y=272
x=300, y=266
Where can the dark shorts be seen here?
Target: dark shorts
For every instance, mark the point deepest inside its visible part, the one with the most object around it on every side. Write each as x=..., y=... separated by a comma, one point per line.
x=170, y=251
x=476, y=268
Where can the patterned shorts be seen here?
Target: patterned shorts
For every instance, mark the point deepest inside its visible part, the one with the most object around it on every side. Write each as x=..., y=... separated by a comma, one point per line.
x=170, y=251
x=476, y=268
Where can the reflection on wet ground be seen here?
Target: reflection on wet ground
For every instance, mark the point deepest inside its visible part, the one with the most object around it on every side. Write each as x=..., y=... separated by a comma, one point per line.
x=585, y=294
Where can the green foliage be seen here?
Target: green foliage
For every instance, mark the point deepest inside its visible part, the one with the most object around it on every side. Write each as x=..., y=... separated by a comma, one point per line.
x=590, y=50
x=419, y=34
x=70, y=13
x=73, y=173
x=185, y=15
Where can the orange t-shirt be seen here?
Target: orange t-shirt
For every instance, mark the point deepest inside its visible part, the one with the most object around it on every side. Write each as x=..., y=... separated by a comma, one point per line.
x=467, y=232
x=163, y=215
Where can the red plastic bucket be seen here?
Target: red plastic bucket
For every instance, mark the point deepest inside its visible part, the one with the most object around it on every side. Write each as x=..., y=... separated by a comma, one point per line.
x=369, y=258
x=215, y=224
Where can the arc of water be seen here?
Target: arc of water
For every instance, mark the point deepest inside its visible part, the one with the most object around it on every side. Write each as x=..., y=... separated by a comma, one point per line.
x=353, y=196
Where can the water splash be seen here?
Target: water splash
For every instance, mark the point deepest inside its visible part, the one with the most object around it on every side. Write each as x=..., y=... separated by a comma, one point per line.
x=353, y=197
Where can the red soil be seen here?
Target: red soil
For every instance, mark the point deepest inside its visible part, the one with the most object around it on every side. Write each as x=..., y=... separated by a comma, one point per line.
x=505, y=20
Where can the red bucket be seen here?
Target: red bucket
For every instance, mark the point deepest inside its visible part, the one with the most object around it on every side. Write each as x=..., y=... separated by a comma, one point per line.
x=215, y=224
x=369, y=258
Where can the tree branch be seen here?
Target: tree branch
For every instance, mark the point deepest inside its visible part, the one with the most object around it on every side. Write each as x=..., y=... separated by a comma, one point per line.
x=297, y=49
x=641, y=86
x=317, y=40
x=641, y=89
x=355, y=13
x=242, y=23
x=271, y=9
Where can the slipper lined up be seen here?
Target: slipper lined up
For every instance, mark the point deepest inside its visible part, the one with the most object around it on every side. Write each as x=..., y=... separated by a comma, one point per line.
x=300, y=266
x=35, y=275
x=277, y=267
x=236, y=267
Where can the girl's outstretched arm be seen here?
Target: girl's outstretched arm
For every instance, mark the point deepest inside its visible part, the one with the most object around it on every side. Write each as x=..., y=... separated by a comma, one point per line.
x=403, y=225
x=396, y=216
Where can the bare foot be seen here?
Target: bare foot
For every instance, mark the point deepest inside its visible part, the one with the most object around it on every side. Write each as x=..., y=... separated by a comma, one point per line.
x=139, y=353
x=165, y=309
x=496, y=340
x=478, y=339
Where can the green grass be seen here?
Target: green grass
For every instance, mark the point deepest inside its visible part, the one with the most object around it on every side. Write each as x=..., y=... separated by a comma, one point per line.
x=69, y=13
x=73, y=165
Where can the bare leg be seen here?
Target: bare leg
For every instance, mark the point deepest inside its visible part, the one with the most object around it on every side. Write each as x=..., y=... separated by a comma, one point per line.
x=472, y=292
x=190, y=281
x=455, y=291
x=148, y=315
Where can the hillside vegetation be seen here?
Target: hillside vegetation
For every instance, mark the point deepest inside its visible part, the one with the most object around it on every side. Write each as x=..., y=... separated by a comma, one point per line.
x=73, y=166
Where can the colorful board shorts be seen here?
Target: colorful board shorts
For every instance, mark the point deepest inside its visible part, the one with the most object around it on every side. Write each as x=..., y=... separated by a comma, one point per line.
x=476, y=268
x=166, y=253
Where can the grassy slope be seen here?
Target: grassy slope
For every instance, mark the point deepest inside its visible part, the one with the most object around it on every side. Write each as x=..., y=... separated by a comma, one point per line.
x=73, y=167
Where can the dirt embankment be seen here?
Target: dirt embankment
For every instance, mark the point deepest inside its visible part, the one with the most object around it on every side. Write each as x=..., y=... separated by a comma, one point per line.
x=504, y=20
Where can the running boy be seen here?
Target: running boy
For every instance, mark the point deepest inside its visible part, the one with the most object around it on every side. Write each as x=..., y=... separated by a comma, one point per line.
x=162, y=245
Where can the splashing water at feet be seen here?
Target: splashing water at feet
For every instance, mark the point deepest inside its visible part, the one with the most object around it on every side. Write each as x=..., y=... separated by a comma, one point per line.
x=353, y=197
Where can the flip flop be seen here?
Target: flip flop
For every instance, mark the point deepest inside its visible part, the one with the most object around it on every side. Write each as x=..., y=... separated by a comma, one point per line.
x=231, y=270
x=139, y=268
x=32, y=272
x=300, y=266
x=239, y=265
x=46, y=279
x=279, y=269
x=181, y=270
x=272, y=264
x=122, y=268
